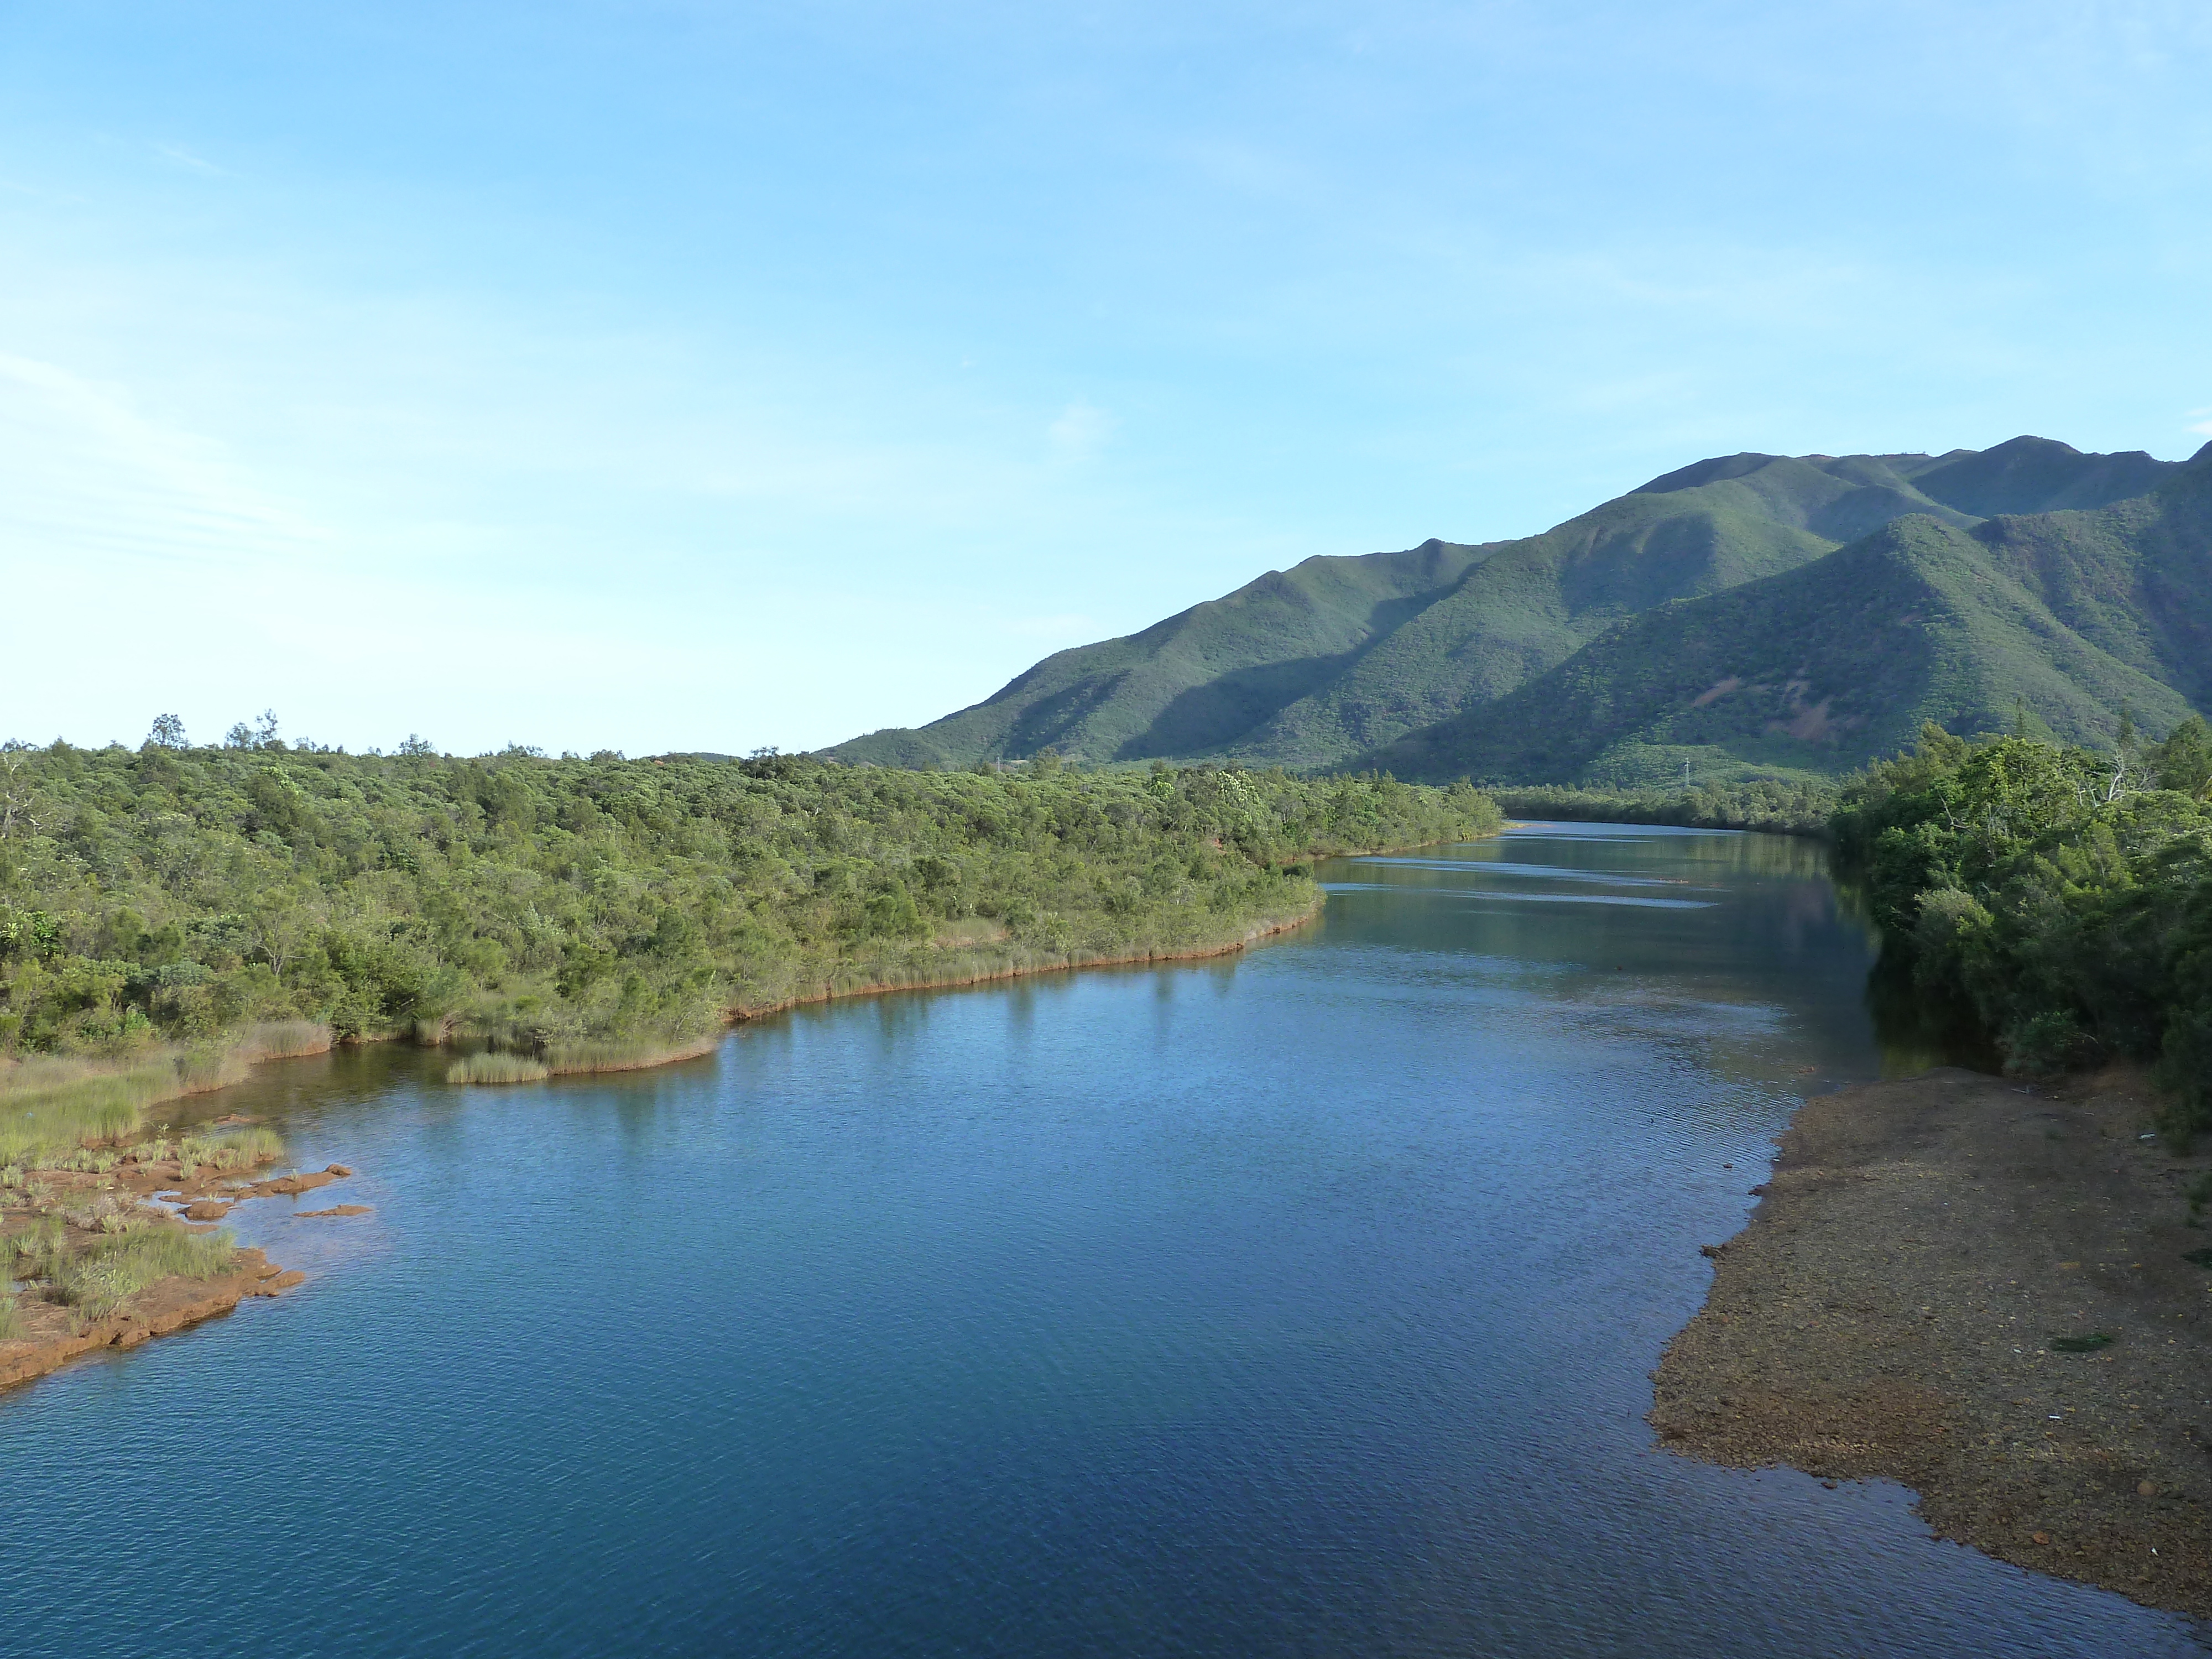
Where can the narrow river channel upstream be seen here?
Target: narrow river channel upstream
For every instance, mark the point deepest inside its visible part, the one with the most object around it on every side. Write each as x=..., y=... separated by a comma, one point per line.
x=1299, y=1302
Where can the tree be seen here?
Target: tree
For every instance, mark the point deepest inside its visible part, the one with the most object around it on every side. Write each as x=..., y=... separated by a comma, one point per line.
x=262, y=734
x=168, y=733
x=417, y=746
x=2183, y=761
x=17, y=793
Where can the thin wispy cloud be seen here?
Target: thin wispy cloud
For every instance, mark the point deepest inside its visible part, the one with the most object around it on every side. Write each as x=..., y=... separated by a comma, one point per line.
x=178, y=156
x=1080, y=432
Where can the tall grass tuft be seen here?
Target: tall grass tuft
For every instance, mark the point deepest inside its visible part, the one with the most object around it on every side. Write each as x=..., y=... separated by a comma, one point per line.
x=11, y=1321
x=53, y=1105
x=496, y=1068
x=241, y=1149
x=96, y=1279
x=619, y=1054
x=33, y=1253
x=282, y=1039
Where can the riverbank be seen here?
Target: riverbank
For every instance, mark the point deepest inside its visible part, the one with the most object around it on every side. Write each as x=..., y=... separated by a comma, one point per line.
x=63, y=1219
x=48, y=1333
x=1979, y=1290
x=1046, y=963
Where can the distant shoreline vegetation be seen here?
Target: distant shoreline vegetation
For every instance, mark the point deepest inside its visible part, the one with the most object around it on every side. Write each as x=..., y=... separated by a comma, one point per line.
x=1802, y=807
x=165, y=908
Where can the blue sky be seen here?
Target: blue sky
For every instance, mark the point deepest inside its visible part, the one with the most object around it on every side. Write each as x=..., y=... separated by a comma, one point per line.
x=675, y=376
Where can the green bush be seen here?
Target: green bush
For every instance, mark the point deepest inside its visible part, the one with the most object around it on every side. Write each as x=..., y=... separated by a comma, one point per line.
x=2065, y=895
x=175, y=913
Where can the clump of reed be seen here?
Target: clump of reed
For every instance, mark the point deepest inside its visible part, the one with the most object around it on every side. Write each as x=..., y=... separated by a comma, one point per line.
x=84, y=1160
x=241, y=1149
x=619, y=1054
x=96, y=1279
x=31, y=1253
x=11, y=1319
x=488, y=1067
x=281, y=1039
x=53, y=1105
x=108, y=1212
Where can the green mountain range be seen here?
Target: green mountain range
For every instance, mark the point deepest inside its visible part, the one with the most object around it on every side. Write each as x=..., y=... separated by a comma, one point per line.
x=1753, y=615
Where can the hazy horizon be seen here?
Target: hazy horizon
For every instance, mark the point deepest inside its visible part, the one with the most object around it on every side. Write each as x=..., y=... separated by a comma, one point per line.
x=706, y=378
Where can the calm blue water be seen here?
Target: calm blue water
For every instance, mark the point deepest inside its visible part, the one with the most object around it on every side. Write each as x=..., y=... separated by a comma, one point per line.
x=1299, y=1304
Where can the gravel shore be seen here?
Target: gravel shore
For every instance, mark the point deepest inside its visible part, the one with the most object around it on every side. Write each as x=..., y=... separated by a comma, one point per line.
x=1920, y=1294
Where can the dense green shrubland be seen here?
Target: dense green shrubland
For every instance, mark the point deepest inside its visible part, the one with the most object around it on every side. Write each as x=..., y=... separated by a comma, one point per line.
x=2062, y=896
x=155, y=906
x=1798, y=808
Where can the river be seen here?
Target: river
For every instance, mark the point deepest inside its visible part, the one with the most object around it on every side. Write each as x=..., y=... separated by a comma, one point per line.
x=1300, y=1303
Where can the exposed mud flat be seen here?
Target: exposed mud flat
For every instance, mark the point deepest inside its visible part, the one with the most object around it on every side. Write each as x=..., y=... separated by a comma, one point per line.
x=54, y=1337
x=1892, y=1306
x=52, y=1334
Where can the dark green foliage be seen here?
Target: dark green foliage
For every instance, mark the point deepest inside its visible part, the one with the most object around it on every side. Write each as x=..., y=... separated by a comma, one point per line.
x=2067, y=618
x=1779, y=806
x=2059, y=893
x=1334, y=662
x=180, y=895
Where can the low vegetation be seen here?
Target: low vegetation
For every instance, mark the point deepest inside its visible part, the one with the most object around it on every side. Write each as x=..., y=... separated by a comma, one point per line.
x=1788, y=808
x=2061, y=896
x=497, y=1068
x=168, y=914
x=95, y=1278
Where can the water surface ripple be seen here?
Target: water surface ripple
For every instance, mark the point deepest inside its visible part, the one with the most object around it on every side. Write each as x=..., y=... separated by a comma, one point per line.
x=1301, y=1303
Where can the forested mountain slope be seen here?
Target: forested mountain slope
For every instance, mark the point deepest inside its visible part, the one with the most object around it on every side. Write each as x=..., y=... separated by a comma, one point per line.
x=2066, y=619
x=1339, y=657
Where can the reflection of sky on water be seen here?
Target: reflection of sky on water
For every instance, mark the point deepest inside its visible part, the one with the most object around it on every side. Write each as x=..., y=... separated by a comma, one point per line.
x=1301, y=1301
x=1514, y=898
x=1508, y=867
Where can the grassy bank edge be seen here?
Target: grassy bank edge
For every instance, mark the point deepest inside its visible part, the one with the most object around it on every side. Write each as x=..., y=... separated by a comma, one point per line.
x=206, y=1068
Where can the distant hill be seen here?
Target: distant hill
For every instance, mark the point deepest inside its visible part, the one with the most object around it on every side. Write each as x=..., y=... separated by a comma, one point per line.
x=1847, y=597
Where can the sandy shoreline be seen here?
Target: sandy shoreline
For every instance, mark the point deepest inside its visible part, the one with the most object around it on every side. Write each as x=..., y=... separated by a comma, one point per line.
x=1890, y=1310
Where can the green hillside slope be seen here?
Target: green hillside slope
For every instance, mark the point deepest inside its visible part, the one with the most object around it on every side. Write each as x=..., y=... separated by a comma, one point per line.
x=2072, y=617
x=1316, y=666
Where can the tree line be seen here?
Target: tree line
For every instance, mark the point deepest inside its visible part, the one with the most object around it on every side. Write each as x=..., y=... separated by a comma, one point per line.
x=174, y=894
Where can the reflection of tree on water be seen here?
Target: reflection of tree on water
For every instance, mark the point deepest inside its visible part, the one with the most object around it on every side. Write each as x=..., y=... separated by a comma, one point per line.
x=1919, y=1026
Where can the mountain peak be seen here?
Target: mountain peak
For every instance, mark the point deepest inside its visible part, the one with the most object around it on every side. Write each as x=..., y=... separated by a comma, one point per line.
x=1339, y=657
x=1705, y=472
